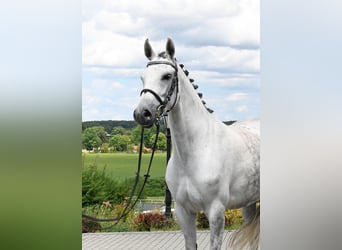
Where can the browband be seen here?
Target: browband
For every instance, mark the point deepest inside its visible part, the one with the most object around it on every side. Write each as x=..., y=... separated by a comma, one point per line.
x=161, y=62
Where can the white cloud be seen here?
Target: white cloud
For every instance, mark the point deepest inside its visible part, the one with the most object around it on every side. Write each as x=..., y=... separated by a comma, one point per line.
x=116, y=85
x=88, y=98
x=91, y=99
x=114, y=35
x=219, y=58
x=227, y=79
x=129, y=24
x=90, y=114
x=217, y=40
x=236, y=97
x=105, y=84
x=124, y=72
x=223, y=21
x=108, y=48
x=242, y=108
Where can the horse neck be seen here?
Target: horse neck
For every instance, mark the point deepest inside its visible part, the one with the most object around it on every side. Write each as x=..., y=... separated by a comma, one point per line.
x=189, y=118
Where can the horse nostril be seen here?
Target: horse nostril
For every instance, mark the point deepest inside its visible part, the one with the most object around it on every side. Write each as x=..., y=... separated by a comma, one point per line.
x=135, y=115
x=145, y=118
x=147, y=114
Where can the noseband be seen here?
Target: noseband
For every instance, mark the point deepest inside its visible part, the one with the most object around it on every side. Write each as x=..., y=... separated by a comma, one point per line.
x=174, y=86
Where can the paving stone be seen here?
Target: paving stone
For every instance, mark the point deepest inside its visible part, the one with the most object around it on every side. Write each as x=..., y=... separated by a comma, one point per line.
x=144, y=240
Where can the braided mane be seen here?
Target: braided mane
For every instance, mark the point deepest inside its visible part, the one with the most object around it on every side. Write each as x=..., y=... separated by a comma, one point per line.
x=186, y=72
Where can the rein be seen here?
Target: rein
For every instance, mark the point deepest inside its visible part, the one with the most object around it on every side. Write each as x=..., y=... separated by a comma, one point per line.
x=174, y=86
x=130, y=206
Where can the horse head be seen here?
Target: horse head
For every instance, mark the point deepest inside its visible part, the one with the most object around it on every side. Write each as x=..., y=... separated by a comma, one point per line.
x=160, y=85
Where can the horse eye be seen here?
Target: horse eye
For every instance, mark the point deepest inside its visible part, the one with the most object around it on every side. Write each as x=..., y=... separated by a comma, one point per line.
x=166, y=77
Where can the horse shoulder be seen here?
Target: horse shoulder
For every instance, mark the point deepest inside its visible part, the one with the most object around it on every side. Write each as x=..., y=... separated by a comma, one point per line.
x=252, y=125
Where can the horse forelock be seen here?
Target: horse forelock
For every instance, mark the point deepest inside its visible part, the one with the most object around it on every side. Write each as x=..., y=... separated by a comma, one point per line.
x=164, y=55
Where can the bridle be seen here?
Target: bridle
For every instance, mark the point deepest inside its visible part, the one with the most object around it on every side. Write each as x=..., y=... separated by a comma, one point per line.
x=174, y=86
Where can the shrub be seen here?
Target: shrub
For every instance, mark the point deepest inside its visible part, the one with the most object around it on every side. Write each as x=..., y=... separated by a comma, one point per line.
x=105, y=148
x=120, y=142
x=98, y=187
x=148, y=221
x=89, y=226
x=108, y=210
x=155, y=187
x=202, y=220
x=232, y=217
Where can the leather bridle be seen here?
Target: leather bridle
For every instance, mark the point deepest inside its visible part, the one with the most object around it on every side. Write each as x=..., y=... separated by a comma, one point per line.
x=174, y=86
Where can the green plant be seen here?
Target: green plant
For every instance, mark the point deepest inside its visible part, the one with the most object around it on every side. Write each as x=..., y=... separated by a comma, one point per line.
x=89, y=226
x=105, y=148
x=233, y=219
x=107, y=210
x=122, y=227
x=119, y=142
x=98, y=187
x=93, y=137
x=202, y=220
x=149, y=221
x=155, y=187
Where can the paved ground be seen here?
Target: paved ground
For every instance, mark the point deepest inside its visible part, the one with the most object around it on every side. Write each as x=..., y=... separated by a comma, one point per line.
x=144, y=240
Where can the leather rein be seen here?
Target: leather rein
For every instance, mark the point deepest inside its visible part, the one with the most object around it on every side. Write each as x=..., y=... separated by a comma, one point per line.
x=161, y=113
x=130, y=203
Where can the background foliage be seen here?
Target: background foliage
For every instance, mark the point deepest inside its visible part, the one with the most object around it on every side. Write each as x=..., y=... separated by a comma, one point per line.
x=108, y=173
x=120, y=136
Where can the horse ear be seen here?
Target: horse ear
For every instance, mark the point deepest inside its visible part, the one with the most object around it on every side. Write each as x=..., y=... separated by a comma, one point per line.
x=149, y=53
x=170, y=47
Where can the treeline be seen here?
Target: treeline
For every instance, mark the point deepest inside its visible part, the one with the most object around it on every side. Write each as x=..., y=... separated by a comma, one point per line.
x=119, y=136
x=109, y=125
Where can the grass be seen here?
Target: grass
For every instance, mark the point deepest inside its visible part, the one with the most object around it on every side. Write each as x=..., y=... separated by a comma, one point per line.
x=124, y=165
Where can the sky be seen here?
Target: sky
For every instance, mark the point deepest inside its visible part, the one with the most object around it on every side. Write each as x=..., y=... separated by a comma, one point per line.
x=217, y=41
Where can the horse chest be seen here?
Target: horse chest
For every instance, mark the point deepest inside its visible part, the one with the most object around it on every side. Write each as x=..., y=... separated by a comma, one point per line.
x=192, y=190
x=191, y=194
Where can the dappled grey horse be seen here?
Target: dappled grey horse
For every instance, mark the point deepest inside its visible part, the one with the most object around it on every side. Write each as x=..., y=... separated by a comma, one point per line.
x=213, y=167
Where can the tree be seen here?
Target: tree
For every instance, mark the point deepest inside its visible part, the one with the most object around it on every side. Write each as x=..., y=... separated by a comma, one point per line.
x=101, y=133
x=118, y=131
x=161, y=142
x=148, y=133
x=109, y=125
x=90, y=139
x=105, y=148
x=136, y=133
x=120, y=142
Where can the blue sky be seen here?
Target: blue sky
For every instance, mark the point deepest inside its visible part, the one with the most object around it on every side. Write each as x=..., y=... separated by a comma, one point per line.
x=217, y=41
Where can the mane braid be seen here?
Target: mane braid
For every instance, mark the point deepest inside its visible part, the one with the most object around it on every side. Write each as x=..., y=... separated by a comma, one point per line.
x=186, y=72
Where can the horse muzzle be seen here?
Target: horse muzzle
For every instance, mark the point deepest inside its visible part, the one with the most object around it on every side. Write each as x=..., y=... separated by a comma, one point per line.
x=144, y=117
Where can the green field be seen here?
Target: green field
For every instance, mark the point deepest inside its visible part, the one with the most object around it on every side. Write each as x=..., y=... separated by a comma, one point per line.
x=123, y=165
